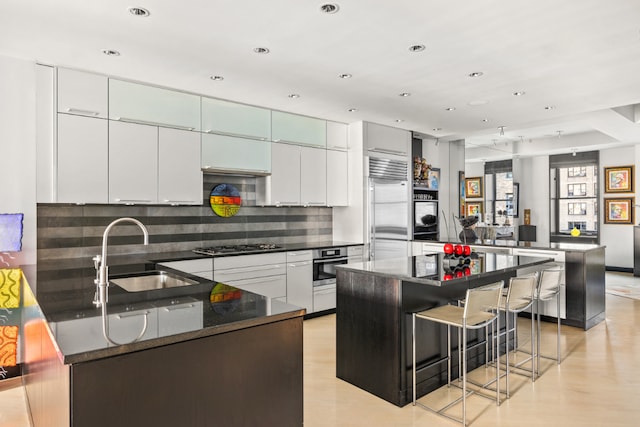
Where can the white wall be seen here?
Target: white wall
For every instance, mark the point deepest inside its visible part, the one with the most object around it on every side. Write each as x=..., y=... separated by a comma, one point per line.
x=533, y=175
x=617, y=238
x=17, y=152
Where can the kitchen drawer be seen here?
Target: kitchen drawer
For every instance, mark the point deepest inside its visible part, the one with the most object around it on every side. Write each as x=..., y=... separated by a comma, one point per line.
x=324, y=298
x=297, y=256
x=79, y=335
x=179, y=315
x=242, y=273
x=355, y=251
x=125, y=327
x=556, y=255
x=271, y=286
x=249, y=260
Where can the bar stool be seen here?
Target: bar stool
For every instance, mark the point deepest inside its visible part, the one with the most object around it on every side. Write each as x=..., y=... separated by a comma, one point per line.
x=480, y=310
x=519, y=297
x=549, y=288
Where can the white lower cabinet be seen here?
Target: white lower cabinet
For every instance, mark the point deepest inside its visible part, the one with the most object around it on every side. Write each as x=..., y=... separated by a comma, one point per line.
x=82, y=160
x=324, y=297
x=264, y=274
x=126, y=326
x=198, y=267
x=79, y=335
x=179, y=315
x=300, y=279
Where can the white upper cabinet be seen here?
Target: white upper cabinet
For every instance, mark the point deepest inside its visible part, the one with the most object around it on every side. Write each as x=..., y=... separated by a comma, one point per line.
x=337, y=178
x=82, y=160
x=283, y=186
x=387, y=140
x=313, y=176
x=179, y=174
x=134, y=102
x=286, y=127
x=232, y=154
x=229, y=118
x=82, y=93
x=133, y=163
x=337, y=136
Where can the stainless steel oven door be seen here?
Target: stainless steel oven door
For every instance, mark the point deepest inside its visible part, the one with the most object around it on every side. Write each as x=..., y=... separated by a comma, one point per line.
x=324, y=270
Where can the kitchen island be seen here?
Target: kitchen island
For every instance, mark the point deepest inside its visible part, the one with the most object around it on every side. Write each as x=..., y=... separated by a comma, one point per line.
x=210, y=354
x=373, y=318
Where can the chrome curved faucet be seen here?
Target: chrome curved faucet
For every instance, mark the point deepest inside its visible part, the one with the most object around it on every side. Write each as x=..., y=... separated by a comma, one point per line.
x=100, y=261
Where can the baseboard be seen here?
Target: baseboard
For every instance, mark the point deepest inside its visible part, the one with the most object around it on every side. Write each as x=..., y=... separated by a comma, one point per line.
x=619, y=269
x=10, y=383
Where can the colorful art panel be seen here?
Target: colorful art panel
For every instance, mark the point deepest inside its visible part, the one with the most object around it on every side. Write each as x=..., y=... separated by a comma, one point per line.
x=225, y=200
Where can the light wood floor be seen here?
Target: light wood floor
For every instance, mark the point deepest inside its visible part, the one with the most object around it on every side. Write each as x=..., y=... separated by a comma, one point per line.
x=597, y=384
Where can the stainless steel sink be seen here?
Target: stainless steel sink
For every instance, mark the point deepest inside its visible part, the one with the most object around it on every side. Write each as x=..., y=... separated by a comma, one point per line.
x=152, y=280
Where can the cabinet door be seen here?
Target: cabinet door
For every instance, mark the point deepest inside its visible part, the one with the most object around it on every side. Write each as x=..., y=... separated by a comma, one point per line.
x=387, y=140
x=179, y=174
x=133, y=163
x=127, y=326
x=228, y=153
x=337, y=178
x=82, y=93
x=337, y=135
x=313, y=176
x=82, y=168
x=183, y=316
x=79, y=335
x=134, y=102
x=270, y=286
x=230, y=118
x=298, y=129
x=300, y=284
x=285, y=174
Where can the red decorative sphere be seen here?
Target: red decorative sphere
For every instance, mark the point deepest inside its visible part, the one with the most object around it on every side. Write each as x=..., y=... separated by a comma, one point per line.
x=467, y=271
x=458, y=250
x=447, y=276
x=466, y=250
x=448, y=248
x=459, y=273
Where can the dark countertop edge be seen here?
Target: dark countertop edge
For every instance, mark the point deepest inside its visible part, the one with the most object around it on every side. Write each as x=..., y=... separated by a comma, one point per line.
x=569, y=247
x=89, y=356
x=431, y=282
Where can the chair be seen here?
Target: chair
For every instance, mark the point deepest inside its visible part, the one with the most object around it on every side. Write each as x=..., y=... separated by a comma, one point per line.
x=479, y=311
x=548, y=288
x=518, y=298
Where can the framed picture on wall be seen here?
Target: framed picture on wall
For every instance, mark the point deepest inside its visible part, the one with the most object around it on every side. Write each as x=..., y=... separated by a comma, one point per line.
x=474, y=209
x=618, y=179
x=516, y=199
x=433, y=178
x=473, y=187
x=619, y=211
x=461, y=192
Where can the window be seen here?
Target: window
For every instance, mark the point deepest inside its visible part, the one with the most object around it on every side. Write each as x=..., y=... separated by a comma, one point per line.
x=574, y=195
x=577, y=171
x=577, y=189
x=577, y=208
x=499, y=206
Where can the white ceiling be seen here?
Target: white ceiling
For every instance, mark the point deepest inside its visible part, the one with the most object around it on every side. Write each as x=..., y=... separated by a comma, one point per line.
x=582, y=57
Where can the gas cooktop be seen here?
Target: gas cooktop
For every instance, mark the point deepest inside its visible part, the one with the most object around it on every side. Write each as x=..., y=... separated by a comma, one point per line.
x=229, y=249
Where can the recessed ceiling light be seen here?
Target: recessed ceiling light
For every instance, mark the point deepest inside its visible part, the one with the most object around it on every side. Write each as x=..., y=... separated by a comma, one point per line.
x=476, y=74
x=450, y=108
x=139, y=11
x=294, y=96
x=345, y=76
x=404, y=94
x=217, y=78
x=110, y=52
x=329, y=8
x=518, y=93
x=437, y=129
x=261, y=50
x=485, y=120
x=352, y=110
x=416, y=48
x=399, y=120
x=549, y=107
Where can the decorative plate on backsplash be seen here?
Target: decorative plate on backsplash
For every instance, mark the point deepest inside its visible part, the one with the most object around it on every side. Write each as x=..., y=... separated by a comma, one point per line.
x=225, y=200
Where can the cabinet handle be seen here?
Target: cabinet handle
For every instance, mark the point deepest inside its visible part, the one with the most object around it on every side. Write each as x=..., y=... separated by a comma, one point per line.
x=236, y=135
x=302, y=264
x=132, y=201
x=315, y=204
x=81, y=111
x=278, y=204
x=385, y=151
x=147, y=122
x=181, y=307
x=180, y=201
x=284, y=141
x=245, y=269
x=248, y=172
x=124, y=316
x=337, y=147
x=258, y=280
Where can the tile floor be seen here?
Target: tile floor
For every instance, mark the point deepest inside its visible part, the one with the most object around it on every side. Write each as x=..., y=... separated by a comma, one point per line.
x=596, y=384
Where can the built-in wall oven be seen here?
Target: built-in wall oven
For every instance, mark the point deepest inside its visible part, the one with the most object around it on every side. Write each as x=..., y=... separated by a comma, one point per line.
x=324, y=276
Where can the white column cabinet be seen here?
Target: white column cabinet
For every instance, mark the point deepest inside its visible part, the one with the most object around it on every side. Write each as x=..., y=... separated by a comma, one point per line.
x=133, y=163
x=337, y=136
x=230, y=118
x=285, y=174
x=287, y=127
x=82, y=93
x=337, y=178
x=313, y=176
x=82, y=161
x=228, y=153
x=179, y=174
x=300, y=279
x=134, y=102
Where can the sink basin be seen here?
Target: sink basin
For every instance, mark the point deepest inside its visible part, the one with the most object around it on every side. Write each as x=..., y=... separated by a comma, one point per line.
x=152, y=280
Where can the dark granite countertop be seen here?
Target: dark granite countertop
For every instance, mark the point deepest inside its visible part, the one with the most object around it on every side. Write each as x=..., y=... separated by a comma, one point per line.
x=439, y=269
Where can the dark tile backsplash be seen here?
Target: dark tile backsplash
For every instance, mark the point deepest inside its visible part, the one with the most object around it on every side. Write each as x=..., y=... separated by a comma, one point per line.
x=75, y=231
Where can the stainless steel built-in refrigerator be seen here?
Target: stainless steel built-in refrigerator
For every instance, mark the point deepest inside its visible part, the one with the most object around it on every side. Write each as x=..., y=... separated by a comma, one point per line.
x=389, y=202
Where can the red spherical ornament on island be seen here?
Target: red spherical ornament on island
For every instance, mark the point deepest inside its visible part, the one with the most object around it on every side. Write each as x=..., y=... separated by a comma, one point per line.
x=447, y=276
x=459, y=273
x=458, y=250
x=466, y=250
x=448, y=248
